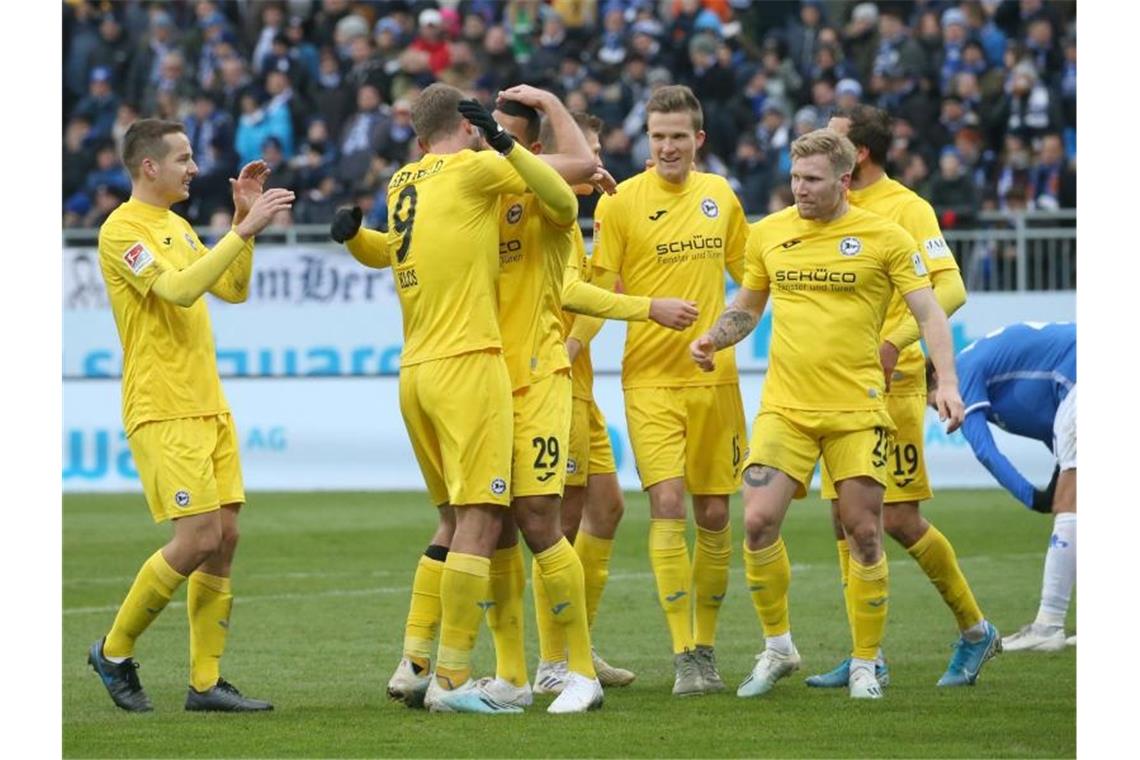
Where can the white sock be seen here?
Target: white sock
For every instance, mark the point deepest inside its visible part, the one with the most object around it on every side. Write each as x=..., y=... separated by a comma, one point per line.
x=1060, y=571
x=856, y=663
x=115, y=660
x=976, y=632
x=782, y=643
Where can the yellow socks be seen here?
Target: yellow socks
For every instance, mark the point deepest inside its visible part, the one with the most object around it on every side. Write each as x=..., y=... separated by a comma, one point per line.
x=844, y=570
x=464, y=592
x=561, y=574
x=551, y=641
x=769, y=573
x=505, y=616
x=867, y=585
x=208, y=604
x=710, y=581
x=422, y=625
x=595, y=554
x=154, y=585
x=669, y=557
x=935, y=555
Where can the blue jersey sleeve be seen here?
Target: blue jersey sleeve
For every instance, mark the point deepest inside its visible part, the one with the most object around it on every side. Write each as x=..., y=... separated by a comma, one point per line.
x=977, y=433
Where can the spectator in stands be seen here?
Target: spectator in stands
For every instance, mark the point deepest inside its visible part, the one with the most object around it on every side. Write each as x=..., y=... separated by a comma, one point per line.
x=848, y=93
x=281, y=173
x=754, y=175
x=399, y=135
x=829, y=62
x=773, y=136
x=272, y=25
x=301, y=51
x=952, y=191
x=823, y=97
x=612, y=45
x=361, y=136
x=316, y=158
x=173, y=81
x=1068, y=83
x=915, y=174
x=100, y=105
x=784, y=82
x=496, y=59
x=112, y=49
x=1014, y=171
x=318, y=204
x=1042, y=50
x=898, y=54
x=108, y=170
x=990, y=37
x=204, y=125
x=802, y=36
x=78, y=155
x=951, y=60
x=1052, y=183
x=159, y=42
x=432, y=41
x=256, y=124
x=861, y=39
x=1029, y=110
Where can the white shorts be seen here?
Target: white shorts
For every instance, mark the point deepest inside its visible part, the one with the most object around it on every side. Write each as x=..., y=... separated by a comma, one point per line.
x=1065, y=432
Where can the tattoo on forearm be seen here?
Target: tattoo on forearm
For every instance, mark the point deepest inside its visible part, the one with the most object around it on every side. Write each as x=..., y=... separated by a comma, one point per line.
x=758, y=475
x=731, y=327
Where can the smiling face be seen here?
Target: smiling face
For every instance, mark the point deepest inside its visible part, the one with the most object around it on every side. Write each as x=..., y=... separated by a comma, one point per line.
x=673, y=144
x=171, y=174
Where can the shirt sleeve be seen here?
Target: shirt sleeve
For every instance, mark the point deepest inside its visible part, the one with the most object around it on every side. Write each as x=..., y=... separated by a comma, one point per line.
x=372, y=248
x=126, y=252
x=921, y=222
x=755, y=273
x=581, y=297
x=609, y=236
x=977, y=432
x=736, y=242
x=493, y=174
x=905, y=266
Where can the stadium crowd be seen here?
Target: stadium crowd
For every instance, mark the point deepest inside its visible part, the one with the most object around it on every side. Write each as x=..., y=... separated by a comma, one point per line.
x=983, y=92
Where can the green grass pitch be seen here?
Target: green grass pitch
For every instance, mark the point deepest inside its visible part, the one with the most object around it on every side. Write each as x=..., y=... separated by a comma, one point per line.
x=321, y=584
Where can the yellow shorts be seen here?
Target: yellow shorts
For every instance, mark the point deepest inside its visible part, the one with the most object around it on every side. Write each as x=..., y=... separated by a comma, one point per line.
x=591, y=452
x=542, y=435
x=458, y=414
x=906, y=464
x=188, y=466
x=691, y=432
x=852, y=444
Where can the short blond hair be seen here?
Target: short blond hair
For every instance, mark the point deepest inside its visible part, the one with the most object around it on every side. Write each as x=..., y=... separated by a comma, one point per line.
x=676, y=98
x=827, y=142
x=435, y=113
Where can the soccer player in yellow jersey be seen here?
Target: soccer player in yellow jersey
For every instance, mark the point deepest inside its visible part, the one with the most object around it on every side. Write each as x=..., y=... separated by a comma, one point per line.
x=674, y=230
x=869, y=129
x=592, y=496
x=175, y=415
x=455, y=390
x=831, y=269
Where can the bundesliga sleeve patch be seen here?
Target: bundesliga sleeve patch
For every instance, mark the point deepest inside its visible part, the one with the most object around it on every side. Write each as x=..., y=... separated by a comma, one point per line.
x=138, y=258
x=919, y=264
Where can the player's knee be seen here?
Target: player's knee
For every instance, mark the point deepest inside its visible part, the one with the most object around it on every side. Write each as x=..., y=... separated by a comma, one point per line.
x=866, y=539
x=206, y=540
x=227, y=545
x=904, y=523
x=760, y=527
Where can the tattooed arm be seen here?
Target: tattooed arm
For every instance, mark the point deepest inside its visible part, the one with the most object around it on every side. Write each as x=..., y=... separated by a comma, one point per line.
x=733, y=326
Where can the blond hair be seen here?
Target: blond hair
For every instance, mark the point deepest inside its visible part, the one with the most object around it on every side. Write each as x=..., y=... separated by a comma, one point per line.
x=840, y=151
x=676, y=98
x=435, y=113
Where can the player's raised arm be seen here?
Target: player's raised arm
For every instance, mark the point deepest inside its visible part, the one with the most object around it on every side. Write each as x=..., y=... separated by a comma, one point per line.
x=733, y=325
x=184, y=287
x=567, y=152
x=550, y=188
x=233, y=285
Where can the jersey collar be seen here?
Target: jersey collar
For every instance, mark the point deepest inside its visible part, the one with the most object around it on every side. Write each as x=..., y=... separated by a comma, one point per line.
x=146, y=210
x=668, y=186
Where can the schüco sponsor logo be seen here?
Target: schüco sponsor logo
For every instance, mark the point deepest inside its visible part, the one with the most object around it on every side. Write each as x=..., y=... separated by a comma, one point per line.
x=820, y=274
x=695, y=243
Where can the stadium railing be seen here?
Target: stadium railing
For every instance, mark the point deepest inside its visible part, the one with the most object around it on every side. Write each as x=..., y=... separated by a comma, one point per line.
x=1034, y=250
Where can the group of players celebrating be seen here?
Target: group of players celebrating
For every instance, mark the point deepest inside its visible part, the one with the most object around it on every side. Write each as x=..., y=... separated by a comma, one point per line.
x=499, y=302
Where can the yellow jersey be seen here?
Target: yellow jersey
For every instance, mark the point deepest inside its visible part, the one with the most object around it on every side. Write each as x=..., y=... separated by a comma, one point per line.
x=895, y=201
x=668, y=240
x=830, y=285
x=170, y=368
x=446, y=265
x=533, y=251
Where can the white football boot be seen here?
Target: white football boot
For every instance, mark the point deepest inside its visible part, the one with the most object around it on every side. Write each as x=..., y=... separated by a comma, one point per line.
x=579, y=694
x=1035, y=638
x=863, y=684
x=550, y=677
x=770, y=667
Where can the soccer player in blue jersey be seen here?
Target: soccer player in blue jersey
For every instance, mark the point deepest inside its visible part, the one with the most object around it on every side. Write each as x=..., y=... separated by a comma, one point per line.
x=1023, y=378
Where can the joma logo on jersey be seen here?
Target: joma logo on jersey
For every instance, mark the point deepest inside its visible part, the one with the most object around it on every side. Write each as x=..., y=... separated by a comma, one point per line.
x=695, y=243
x=815, y=275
